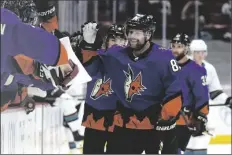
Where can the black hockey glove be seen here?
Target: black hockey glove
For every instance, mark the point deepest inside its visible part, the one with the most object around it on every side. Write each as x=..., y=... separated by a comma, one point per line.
x=198, y=124
x=166, y=125
x=46, y=9
x=39, y=71
x=26, y=102
x=59, y=34
x=51, y=96
x=229, y=102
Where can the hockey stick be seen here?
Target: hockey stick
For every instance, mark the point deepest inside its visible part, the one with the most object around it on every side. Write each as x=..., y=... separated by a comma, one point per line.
x=218, y=105
x=187, y=124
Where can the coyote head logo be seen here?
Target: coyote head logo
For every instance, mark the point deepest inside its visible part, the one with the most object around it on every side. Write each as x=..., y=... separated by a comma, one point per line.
x=101, y=88
x=133, y=86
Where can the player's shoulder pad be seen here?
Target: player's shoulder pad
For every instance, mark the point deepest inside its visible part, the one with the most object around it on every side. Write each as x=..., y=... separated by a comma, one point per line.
x=197, y=69
x=114, y=50
x=8, y=17
x=161, y=53
x=208, y=66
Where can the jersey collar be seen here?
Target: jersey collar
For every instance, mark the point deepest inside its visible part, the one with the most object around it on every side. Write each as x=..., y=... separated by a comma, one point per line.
x=141, y=56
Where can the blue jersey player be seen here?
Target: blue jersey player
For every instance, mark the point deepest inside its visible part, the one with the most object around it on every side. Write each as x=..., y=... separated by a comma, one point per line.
x=144, y=80
x=101, y=99
x=19, y=38
x=195, y=108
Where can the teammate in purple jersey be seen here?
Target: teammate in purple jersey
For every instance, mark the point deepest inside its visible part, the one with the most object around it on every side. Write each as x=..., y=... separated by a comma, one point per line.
x=19, y=38
x=145, y=104
x=101, y=100
x=195, y=105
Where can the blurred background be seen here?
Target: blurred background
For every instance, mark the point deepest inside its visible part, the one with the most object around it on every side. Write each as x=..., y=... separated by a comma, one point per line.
x=209, y=20
x=206, y=19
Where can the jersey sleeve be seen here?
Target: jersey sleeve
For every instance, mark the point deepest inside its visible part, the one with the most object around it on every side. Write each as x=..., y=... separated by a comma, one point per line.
x=38, y=44
x=200, y=90
x=215, y=89
x=213, y=80
x=95, y=61
x=34, y=42
x=172, y=101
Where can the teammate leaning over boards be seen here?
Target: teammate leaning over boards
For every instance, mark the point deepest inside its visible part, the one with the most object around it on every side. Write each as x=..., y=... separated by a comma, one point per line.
x=199, y=52
x=25, y=41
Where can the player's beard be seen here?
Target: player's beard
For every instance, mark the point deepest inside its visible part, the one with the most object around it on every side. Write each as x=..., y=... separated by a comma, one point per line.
x=179, y=56
x=136, y=45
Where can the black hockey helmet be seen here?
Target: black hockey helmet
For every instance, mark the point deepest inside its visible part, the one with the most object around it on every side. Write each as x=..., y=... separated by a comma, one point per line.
x=181, y=38
x=24, y=9
x=141, y=22
x=116, y=30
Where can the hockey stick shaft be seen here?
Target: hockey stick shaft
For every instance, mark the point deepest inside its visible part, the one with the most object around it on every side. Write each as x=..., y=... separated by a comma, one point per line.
x=218, y=105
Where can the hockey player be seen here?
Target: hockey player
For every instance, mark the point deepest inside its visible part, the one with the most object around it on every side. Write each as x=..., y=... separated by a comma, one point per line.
x=13, y=44
x=22, y=68
x=101, y=101
x=144, y=104
x=115, y=36
x=77, y=89
x=195, y=96
x=198, y=145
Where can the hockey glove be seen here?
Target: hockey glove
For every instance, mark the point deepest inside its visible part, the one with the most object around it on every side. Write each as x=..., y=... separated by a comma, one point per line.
x=28, y=104
x=51, y=96
x=229, y=102
x=89, y=42
x=166, y=125
x=39, y=72
x=198, y=124
x=24, y=100
x=59, y=34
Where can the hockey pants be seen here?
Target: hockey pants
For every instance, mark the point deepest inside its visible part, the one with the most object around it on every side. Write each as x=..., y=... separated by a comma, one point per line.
x=132, y=141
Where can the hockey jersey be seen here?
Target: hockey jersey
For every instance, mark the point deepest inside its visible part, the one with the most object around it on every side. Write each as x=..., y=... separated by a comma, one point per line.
x=195, y=88
x=141, y=82
x=100, y=94
x=19, y=38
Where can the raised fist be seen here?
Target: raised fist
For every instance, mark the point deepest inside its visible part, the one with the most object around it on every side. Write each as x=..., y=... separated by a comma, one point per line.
x=89, y=31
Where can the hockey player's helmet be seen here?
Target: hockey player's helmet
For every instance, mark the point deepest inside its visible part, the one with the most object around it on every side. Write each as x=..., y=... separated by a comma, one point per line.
x=24, y=9
x=116, y=30
x=198, y=45
x=141, y=22
x=181, y=38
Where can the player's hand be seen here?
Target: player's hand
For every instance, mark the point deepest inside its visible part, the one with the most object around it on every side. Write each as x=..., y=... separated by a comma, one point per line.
x=69, y=72
x=91, y=41
x=39, y=72
x=51, y=96
x=28, y=103
x=89, y=31
x=229, y=102
x=198, y=124
x=24, y=100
